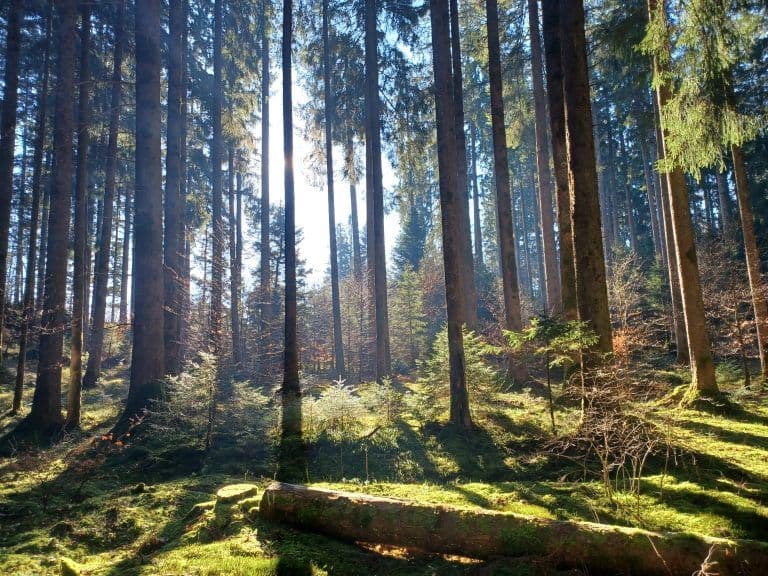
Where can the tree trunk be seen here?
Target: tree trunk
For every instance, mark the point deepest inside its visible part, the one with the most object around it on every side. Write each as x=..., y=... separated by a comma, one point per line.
x=452, y=202
x=174, y=203
x=725, y=204
x=22, y=213
x=599, y=548
x=265, y=282
x=505, y=228
x=126, y=311
x=238, y=267
x=8, y=141
x=338, y=345
x=352, y=174
x=28, y=313
x=699, y=347
x=756, y=285
x=46, y=404
x=678, y=321
x=93, y=370
x=217, y=146
x=291, y=458
x=554, y=67
x=476, y=221
x=46, y=201
x=234, y=274
x=374, y=172
x=591, y=290
x=551, y=277
x=147, y=359
x=466, y=263
x=649, y=189
x=81, y=217
x=626, y=185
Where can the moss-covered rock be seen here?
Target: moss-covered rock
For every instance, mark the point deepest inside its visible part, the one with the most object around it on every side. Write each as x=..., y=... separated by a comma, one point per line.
x=69, y=567
x=227, y=498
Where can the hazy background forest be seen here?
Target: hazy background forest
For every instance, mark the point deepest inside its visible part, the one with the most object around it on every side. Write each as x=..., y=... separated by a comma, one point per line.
x=500, y=263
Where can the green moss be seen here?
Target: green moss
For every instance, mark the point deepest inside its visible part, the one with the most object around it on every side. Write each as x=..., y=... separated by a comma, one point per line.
x=69, y=567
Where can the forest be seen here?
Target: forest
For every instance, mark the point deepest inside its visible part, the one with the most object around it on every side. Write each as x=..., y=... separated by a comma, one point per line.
x=391, y=287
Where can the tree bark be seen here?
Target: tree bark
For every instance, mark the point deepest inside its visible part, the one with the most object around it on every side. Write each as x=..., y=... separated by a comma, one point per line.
x=649, y=189
x=591, y=290
x=600, y=548
x=126, y=310
x=265, y=282
x=234, y=273
x=81, y=217
x=554, y=67
x=46, y=201
x=374, y=172
x=678, y=321
x=756, y=285
x=549, y=254
x=93, y=369
x=330, y=107
x=452, y=202
x=174, y=203
x=505, y=228
x=352, y=174
x=46, y=404
x=699, y=347
x=8, y=141
x=466, y=263
x=724, y=203
x=28, y=313
x=291, y=457
x=148, y=355
x=217, y=146
x=476, y=221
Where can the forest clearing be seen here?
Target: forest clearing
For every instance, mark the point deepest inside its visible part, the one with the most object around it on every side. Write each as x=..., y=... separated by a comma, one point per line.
x=384, y=288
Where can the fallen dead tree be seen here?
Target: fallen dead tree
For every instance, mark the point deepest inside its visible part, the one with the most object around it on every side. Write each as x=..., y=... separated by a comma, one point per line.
x=599, y=548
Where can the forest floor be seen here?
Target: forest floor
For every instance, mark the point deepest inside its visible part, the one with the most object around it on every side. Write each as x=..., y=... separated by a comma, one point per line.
x=125, y=507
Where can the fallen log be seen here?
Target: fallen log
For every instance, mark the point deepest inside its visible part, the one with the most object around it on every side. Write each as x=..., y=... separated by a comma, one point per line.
x=598, y=548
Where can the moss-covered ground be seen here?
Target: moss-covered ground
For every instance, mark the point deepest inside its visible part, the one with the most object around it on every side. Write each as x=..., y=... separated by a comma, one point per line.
x=144, y=506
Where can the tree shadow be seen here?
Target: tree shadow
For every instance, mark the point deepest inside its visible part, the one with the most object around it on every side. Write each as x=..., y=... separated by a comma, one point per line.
x=731, y=436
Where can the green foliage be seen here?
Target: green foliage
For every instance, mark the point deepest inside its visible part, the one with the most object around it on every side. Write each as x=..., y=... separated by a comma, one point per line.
x=484, y=377
x=560, y=341
x=408, y=321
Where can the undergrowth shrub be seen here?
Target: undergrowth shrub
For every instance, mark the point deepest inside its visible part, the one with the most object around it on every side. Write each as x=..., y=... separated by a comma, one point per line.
x=484, y=377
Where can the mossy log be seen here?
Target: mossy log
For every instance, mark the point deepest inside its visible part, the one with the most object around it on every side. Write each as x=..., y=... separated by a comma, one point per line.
x=600, y=548
x=226, y=499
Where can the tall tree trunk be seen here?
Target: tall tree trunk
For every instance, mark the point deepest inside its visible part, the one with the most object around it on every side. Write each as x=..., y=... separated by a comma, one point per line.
x=238, y=268
x=330, y=111
x=551, y=277
x=126, y=311
x=234, y=274
x=699, y=347
x=756, y=284
x=22, y=214
x=678, y=320
x=466, y=263
x=101, y=274
x=650, y=193
x=217, y=238
x=8, y=141
x=291, y=444
x=28, y=313
x=46, y=201
x=626, y=185
x=185, y=241
x=726, y=221
x=591, y=290
x=81, y=217
x=46, y=404
x=147, y=359
x=374, y=172
x=477, y=224
x=554, y=67
x=265, y=282
x=452, y=202
x=505, y=228
x=352, y=174
x=174, y=203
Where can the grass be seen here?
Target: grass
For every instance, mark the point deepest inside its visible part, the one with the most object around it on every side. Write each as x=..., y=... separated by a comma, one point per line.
x=126, y=510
